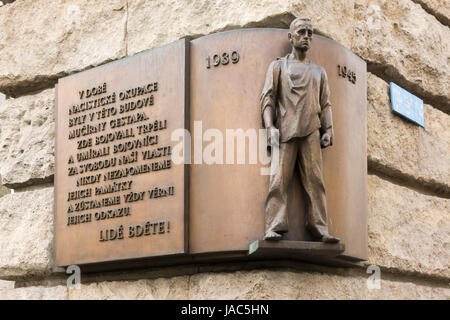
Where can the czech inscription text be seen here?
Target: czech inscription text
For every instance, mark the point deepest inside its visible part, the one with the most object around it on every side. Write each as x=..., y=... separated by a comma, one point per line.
x=116, y=139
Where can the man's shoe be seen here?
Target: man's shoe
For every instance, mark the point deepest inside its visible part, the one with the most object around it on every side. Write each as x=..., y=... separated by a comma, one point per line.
x=272, y=235
x=326, y=238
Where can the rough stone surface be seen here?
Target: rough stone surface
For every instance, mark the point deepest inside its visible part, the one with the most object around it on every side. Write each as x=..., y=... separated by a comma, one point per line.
x=439, y=8
x=158, y=289
x=3, y=190
x=6, y=285
x=171, y=20
x=408, y=231
x=27, y=139
x=34, y=293
x=403, y=43
x=400, y=40
x=26, y=225
x=399, y=147
x=42, y=40
x=255, y=284
x=279, y=284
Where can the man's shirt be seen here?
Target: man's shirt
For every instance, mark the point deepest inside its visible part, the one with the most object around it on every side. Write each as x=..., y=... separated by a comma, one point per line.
x=298, y=96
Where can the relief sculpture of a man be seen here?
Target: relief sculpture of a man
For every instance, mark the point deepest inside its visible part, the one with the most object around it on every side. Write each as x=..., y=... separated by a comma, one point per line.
x=296, y=110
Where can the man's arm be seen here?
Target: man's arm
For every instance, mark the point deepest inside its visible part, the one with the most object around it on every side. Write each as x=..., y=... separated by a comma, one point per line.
x=326, y=119
x=268, y=102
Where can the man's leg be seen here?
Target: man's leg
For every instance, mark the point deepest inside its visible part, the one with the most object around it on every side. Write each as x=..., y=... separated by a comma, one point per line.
x=276, y=201
x=310, y=167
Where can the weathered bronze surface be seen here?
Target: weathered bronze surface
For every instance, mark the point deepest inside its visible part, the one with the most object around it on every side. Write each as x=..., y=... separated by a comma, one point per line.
x=117, y=194
x=296, y=111
x=221, y=77
x=309, y=251
x=227, y=201
x=306, y=248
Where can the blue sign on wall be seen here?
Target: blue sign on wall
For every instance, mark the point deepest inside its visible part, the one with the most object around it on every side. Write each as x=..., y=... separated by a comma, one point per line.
x=407, y=104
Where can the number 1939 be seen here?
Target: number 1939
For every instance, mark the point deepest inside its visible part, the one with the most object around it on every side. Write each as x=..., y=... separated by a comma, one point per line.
x=222, y=59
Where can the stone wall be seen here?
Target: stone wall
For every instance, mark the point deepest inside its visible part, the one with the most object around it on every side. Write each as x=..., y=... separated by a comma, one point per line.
x=3, y=189
x=404, y=41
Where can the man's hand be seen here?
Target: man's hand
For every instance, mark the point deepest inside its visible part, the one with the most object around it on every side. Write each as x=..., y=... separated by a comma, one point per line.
x=327, y=139
x=273, y=136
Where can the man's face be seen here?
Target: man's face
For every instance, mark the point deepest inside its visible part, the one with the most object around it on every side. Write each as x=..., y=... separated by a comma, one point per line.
x=301, y=35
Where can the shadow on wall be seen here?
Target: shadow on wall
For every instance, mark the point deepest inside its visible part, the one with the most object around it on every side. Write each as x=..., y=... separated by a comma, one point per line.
x=4, y=190
x=3, y=2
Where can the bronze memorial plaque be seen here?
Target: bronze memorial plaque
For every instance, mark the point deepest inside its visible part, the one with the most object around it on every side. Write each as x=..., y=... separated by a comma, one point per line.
x=118, y=195
x=237, y=106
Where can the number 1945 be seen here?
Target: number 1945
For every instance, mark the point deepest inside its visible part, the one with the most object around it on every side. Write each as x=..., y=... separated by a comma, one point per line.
x=346, y=73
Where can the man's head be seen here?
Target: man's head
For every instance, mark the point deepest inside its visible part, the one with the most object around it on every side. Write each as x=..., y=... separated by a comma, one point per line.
x=300, y=33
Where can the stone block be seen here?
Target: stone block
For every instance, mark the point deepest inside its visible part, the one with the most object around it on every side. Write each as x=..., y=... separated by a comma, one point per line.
x=27, y=139
x=288, y=285
x=408, y=231
x=26, y=233
x=439, y=8
x=403, y=149
x=42, y=40
x=174, y=288
x=34, y=293
x=402, y=42
x=153, y=23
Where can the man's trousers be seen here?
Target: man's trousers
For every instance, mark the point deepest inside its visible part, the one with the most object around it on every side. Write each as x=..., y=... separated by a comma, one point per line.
x=307, y=154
